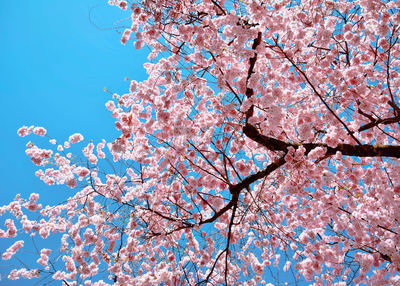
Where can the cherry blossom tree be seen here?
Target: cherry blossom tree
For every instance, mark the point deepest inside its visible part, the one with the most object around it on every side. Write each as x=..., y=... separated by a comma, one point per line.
x=265, y=140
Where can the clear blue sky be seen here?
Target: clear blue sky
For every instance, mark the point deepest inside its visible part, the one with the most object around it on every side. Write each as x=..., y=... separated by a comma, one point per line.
x=54, y=65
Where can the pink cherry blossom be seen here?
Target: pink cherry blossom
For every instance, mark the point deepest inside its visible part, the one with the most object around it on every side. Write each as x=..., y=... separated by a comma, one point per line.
x=75, y=138
x=263, y=140
x=24, y=131
x=13, y=249
x=40, y=131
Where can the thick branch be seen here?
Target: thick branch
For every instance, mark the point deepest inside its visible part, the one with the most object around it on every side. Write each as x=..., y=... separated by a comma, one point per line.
x=375, y=122
x=259, y=175
x=252, y=62
x=384, y=121
x=234, y=190
x=346, y=149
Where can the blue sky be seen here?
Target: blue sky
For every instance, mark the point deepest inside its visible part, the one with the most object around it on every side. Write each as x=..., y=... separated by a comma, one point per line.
x=54, y=65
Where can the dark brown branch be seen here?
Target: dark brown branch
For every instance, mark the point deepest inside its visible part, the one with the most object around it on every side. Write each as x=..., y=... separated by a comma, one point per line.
x=252, y=63
x=235, y=189
x=346, y=149
x=211, y=270
x=228, y=242
x=375, y=122
x=234, y=92
x=394, y=106
x=384, y=121
x=218, y=6
x=388, y=68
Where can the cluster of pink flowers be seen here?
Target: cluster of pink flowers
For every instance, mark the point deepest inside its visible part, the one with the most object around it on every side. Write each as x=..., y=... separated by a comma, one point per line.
x=40, y=131
x=12, y=249
x=75, y=138
x=38, y=156
x=24, y=131
x=24, y=273
x=32, y=204
x=11, y=229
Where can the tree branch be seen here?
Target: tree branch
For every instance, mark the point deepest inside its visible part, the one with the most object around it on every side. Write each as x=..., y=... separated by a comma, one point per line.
x=252, y=63
x=346, y=149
